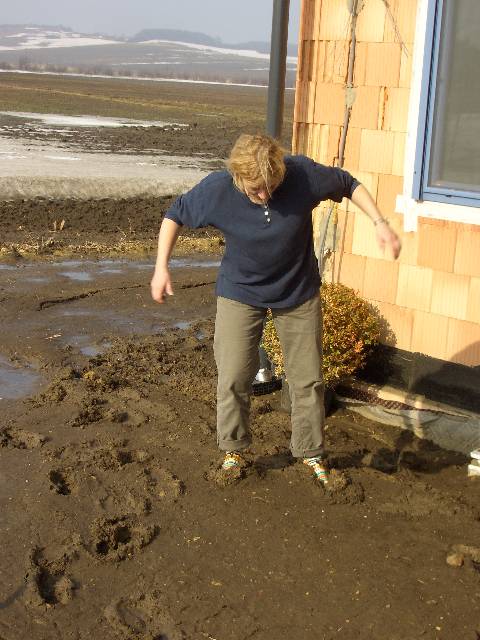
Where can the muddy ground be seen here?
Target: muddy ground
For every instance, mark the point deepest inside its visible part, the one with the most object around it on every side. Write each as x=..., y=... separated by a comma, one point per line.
x=212, y=116
x=115, y=523
x=43, y=228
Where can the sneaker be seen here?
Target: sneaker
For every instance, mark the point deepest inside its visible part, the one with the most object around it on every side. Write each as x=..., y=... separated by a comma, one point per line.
x=232, y=460
x=317, y=465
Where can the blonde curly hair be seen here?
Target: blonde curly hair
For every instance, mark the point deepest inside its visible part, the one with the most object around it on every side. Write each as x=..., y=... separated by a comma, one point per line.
x=257, y=160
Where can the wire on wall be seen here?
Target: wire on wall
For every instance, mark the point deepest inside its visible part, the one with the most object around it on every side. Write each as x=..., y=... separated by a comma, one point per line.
x=354, y=8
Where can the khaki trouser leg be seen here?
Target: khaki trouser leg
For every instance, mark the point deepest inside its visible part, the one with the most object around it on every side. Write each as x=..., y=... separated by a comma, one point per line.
x=238, y=329
x=300, y=332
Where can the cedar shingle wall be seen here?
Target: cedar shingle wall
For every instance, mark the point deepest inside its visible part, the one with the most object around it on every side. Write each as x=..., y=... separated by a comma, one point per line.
x=431, y=295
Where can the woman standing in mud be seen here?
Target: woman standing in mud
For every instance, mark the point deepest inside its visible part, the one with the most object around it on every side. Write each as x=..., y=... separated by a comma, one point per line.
x=263, y=203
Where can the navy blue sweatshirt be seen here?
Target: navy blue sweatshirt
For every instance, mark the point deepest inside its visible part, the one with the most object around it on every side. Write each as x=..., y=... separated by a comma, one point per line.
x=269, y=259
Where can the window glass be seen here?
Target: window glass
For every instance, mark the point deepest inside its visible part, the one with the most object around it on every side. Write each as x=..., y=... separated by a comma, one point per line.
x=454, y=159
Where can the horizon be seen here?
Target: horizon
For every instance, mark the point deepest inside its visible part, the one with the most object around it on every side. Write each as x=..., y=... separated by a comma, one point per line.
x=232, y=24
x=66, y=27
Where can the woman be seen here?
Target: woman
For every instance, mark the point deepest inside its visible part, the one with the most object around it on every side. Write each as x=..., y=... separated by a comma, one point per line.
x=263, y=203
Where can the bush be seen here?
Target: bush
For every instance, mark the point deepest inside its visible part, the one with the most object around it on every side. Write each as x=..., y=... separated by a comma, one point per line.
x=351, y=328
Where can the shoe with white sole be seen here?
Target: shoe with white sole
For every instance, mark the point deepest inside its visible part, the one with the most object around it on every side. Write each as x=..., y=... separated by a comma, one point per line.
x=317, y=465
x=233, y=460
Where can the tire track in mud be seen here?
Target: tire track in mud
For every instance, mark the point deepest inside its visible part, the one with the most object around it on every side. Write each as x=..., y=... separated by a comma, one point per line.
x=45, y=304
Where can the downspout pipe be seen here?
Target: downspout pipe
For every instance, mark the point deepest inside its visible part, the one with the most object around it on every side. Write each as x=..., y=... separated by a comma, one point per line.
x=278, y=67
x=276, y=94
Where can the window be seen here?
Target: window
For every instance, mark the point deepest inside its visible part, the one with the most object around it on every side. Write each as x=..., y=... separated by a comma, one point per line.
x=447, y=158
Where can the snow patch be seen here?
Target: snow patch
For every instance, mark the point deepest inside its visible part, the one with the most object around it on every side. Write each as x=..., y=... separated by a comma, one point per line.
x=141, y=78
x=87, y=121
x=41, y=39
x=208, y=49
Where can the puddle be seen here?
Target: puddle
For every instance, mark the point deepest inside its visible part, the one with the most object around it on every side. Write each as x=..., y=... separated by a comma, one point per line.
x=73, y=313
x=87, y=346
x=185, y=262
x=57, y=120
x=110, y=270
x=79, y=276
x=89, y=270
x=16, y=381
x=182, y=325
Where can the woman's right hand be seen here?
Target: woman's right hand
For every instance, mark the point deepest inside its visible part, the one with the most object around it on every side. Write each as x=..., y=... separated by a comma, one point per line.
x=161, y=285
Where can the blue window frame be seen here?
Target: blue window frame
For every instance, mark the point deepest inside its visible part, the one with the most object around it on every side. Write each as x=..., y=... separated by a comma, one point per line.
x=447, y=159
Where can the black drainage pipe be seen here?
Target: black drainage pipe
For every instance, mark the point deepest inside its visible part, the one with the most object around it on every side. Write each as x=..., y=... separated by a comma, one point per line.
x=278, y=66
x=276, y=93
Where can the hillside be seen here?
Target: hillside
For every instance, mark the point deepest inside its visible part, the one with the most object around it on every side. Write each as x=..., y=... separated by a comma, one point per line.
x=152, y=53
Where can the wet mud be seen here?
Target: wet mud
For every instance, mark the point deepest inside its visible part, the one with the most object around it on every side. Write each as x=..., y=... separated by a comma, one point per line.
x=117, y=522
x=47, y=229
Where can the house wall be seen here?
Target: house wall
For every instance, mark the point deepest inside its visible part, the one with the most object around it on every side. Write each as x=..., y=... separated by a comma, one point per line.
x=430, y=296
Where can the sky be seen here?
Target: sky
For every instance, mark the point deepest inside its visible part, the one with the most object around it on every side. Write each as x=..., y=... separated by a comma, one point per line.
x=230, y=20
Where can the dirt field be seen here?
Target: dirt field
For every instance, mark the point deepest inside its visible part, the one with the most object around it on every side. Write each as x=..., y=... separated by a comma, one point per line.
x=216, y=114
x=115, y=523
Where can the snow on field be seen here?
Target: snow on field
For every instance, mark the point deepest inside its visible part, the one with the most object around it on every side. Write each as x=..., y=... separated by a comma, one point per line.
x=38, y=39
x=244, y=53
x=88, y=121
x=30, y=168
x=142, y=78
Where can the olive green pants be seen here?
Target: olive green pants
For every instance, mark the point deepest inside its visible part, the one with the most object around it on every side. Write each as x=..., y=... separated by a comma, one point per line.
x=238, y=331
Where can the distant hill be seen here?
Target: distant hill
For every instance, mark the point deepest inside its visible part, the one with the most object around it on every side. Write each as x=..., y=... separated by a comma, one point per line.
x=176, y=35
x=152, y=53
x=195, y=37
x=7, y=29
x=20, y=36
x=29, y=36
x=262, y=47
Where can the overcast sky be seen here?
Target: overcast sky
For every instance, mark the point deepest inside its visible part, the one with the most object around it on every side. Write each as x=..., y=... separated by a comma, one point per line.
x=231, y=20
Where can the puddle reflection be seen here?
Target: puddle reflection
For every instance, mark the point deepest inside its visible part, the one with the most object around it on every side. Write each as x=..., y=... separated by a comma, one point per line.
x=89, y=270
x=80, y=276
x=16, y=381
x=87, y=346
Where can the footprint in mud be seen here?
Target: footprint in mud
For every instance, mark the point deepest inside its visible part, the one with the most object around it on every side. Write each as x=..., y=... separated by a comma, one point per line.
x=217, y=620
x=21, y=439
x=416, y=500
x=162, y=483
x=142, y=617
x=116, y=415
x=47, y=580
x=115, y=539
x=62, y=481
x=55, y=393
x=119, y=500
x=92, y=411
x=112, y=458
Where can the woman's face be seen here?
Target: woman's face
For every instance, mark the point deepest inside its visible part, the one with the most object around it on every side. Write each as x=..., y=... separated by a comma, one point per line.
x=257, y=192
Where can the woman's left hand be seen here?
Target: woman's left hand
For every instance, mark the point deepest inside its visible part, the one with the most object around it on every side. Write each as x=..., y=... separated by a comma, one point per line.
x=386, y=237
